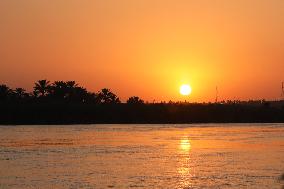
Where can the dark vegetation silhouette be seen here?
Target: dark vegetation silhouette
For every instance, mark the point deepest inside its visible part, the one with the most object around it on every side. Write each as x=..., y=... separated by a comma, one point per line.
x=66, y=102
x=135, y=100
x=282, y=180
x=41, y=88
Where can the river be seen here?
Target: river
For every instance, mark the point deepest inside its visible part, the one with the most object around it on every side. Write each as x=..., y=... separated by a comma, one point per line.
x=142, y=156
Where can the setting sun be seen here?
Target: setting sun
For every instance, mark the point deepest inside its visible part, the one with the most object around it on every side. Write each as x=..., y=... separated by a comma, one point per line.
x=185, y=90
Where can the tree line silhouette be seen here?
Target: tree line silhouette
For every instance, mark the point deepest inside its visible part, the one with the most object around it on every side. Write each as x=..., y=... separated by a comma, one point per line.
x=66, y=102
x=61, y=91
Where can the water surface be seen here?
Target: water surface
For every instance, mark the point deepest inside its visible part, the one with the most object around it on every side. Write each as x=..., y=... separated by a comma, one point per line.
x=142, y=156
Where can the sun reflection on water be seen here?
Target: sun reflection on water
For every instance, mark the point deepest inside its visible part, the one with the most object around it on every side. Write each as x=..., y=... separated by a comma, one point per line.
x=185, y=145
x=184, y=169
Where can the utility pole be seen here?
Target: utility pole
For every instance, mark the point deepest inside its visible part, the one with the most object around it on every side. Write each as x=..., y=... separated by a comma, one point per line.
x=216, y=96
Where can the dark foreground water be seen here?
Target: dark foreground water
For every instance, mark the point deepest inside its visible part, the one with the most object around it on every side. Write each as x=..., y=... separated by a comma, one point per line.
x=142, y=156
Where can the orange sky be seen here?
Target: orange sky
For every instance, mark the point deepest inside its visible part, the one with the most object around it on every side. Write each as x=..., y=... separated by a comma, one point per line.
x=147, y=48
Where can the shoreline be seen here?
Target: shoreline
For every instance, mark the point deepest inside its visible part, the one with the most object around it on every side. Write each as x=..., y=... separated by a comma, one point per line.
x=72, y=114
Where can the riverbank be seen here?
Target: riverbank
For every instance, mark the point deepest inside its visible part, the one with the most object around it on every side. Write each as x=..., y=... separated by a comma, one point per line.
x=66, y=113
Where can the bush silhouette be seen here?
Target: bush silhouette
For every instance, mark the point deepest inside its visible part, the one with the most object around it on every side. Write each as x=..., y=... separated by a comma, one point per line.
x=135, y=100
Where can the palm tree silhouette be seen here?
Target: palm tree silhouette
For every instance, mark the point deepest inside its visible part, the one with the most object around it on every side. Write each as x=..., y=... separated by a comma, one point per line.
x=79, y=94
x=20, y=93
x=71, y=84
x=71, y=87
x=5, y=92
x=42, y=87
x=59, y=90
x=68, y=91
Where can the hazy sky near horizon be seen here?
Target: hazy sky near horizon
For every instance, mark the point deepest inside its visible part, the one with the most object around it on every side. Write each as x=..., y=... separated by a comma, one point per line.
x=146, y=48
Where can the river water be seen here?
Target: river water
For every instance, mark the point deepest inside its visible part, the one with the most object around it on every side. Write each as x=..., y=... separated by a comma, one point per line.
x=142, y=156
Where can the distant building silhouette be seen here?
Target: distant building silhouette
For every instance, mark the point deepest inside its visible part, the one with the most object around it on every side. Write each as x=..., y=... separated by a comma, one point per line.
x=282, y=91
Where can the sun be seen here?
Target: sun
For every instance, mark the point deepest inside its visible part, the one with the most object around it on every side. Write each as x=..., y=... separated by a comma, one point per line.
x=185, y=90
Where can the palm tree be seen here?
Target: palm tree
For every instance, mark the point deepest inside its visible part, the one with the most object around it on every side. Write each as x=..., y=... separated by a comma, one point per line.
x=135, y=100
x=5, y=92
x=92, y=98
x=20, y=93
x=78, y=94
x=68, y=90
x=71, y=88
x=106, y=96
x=42, y=87
x=59, y=90
x=71, y=84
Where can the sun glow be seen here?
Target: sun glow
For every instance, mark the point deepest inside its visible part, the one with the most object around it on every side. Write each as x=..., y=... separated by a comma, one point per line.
x=185, y=144
x=185, y=90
